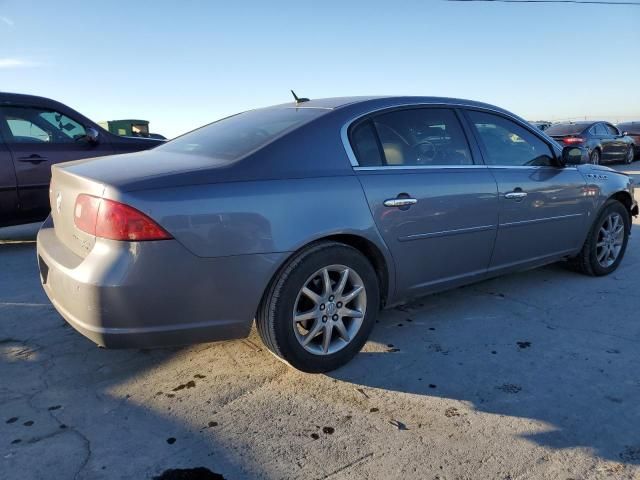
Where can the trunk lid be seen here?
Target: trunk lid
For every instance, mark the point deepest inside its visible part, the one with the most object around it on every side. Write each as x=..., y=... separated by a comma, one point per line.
x=63, y=191
x=143, y=170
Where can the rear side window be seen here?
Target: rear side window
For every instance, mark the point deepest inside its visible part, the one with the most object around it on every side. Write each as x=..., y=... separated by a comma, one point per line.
x=235, y=136
x=413, y=137
x=507, y=143
x=601, y=131
x=365, y=145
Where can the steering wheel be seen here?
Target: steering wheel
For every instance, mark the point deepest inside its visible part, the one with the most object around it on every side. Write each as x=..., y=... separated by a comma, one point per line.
x=425, y=152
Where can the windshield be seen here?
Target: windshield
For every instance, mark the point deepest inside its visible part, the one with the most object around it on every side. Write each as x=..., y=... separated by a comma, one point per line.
x=565, y=129
x=235, y=136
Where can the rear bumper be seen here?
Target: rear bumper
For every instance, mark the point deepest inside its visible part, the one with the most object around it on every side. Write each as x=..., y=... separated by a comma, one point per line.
x=150, y=294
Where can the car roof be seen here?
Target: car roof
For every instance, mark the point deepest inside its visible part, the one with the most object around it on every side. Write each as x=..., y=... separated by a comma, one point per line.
x=6, y=97
x=341, y=102
x=37, y=101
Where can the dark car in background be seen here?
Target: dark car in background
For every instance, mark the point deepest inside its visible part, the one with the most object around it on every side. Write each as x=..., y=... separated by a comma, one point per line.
x=36, y=133
x=603, y=142
x=541, y=124
x=632, y=130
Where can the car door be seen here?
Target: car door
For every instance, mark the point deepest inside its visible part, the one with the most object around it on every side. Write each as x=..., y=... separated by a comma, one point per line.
x=8, y=188
x=618, y=145
x=435, y=207
x=543, y=206
x=606, y=140
x=37, y=139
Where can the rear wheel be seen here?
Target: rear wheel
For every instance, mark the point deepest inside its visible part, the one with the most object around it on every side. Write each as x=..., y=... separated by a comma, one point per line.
x=606, y=243
x=595, y=157
x=319, y=310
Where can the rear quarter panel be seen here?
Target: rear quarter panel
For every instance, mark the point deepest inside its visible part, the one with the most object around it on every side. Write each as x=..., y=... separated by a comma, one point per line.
x=257, y=217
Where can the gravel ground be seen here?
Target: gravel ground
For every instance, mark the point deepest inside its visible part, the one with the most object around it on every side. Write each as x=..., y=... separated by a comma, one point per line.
x=533, y=375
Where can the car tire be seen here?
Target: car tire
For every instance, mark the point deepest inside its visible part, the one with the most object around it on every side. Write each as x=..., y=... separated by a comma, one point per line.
x=590, y=259
x=628, y=159
x=338, y=335
x=594, y=158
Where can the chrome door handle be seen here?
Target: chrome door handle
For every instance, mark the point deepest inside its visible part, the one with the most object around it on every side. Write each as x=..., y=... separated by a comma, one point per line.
x=515, y=195
x=400, y=202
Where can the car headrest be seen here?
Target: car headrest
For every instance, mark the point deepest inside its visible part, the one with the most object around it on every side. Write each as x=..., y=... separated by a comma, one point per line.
x=393, y=153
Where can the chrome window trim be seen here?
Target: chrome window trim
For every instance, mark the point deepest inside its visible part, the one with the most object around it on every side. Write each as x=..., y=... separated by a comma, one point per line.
x=532, y=167
x=420, y=167
x=344, y=131
x=463, y=167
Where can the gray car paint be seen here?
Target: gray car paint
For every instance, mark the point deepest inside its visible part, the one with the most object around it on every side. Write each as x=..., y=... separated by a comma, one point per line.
x=144, y=294
x=236, y=223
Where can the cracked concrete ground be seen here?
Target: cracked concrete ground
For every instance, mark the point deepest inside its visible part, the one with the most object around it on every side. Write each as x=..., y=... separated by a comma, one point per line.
x=533, y=375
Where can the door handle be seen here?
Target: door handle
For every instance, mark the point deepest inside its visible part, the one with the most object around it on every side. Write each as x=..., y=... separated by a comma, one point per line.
x=515, y=195
x=400, y=202
x=35, y=158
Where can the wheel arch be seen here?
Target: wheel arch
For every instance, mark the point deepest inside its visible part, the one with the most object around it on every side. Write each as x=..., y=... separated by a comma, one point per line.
x=625, y=199
x=373, y=254
x=365, y=246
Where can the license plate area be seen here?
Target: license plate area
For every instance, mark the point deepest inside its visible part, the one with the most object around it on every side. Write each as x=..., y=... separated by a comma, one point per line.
x=44, y=270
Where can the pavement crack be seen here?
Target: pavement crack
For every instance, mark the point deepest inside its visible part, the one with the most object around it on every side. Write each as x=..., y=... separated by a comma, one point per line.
x=357, y=461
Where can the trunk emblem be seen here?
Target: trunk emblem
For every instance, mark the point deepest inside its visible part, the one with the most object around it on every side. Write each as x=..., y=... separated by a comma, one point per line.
x=58, y=201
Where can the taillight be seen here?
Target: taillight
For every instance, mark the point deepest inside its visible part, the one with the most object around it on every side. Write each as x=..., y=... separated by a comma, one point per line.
x=573, y=140
x=114, y=220
x=85, y=213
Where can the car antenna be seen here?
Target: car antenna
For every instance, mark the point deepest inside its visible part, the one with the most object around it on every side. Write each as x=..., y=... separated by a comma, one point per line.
x=298, y=100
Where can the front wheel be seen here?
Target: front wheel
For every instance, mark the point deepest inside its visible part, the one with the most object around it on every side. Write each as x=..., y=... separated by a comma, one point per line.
x=319, y=310
x=630, y=155
x=606, y=243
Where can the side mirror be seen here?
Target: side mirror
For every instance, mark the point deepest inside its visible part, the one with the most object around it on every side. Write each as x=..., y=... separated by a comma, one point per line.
x=624, y=134
x=573, y=156
x=92, y=135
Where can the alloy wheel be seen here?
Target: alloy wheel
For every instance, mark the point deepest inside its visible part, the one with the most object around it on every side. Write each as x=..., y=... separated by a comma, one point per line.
x=610, y=240
x=630, y=155
x=595, y=157
x=329, y=309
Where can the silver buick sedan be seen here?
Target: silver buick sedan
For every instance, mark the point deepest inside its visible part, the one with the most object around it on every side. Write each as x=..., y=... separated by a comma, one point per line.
x=311, y=216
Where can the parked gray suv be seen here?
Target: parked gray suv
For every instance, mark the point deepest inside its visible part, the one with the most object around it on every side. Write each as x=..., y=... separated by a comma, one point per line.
x=36, y=133
x=310, y=216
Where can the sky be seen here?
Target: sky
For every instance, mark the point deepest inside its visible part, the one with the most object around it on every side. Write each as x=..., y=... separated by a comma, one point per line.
x=182, y=64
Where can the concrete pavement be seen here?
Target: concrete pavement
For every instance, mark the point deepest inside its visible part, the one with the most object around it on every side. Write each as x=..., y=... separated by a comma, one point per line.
x=533, y=375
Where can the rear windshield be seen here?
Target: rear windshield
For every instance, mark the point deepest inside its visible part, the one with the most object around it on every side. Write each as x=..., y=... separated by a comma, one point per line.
x=633, y=128
x=235, y=136
x=565, y=129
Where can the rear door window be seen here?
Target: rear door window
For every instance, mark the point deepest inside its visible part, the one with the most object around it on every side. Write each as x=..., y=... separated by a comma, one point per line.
x=412, y=138
x=508, y=144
